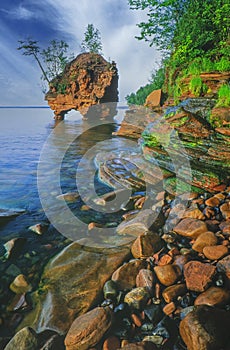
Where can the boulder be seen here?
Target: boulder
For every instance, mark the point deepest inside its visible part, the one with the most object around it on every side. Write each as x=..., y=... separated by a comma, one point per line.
x=25, y=339
x=71, y=284
x=154, y=99
x=202, y=329
x=87, y=330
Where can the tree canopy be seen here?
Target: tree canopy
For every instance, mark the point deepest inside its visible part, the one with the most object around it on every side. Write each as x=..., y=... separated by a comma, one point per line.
x=193, y=25
x=92, y=40
x=51, y=60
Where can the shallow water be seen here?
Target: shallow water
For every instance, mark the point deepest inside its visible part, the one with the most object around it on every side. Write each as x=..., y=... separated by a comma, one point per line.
x=23, y=134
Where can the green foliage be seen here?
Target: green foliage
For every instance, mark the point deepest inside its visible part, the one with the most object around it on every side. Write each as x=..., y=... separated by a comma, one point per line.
x=163, y=18
x=224, y=96
x=195, y=33
x=156, y=82
x=51, y=60
x=55, y=58
x=92, y=40
x=195, y=86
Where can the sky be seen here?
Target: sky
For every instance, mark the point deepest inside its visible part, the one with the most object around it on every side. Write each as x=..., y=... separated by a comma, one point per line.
x=45, y=20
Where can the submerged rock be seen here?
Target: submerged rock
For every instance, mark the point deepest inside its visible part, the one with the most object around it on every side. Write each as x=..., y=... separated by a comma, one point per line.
x=25, y=339
x=72, y=282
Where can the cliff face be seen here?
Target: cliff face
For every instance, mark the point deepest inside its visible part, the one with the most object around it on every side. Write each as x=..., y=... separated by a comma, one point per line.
x=88, y=80
x=203, y=129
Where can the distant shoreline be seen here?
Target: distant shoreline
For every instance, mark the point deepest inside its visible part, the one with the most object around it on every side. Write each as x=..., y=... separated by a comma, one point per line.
x=24, y=107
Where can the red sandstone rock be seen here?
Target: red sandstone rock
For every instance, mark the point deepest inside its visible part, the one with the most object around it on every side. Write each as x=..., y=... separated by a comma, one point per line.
x=225, y=227
x=225, y=210
x=224, y=266
x=88, y=80
x=212, y=202
x=213, y=296
x=111, y=343
x=190, y=228
x=205, y=239
x=203, y=328
x=153, y=100
x=87, y=330
x=125, y=275
x=169, y=308
x=172, y=292
x=146, y=245
x=215, y=252
x=198, y=275
x=167, y=274
x=145, y=278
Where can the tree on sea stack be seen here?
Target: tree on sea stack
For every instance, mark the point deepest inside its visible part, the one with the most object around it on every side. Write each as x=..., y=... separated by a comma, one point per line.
x=92, y=40
x=51, y=60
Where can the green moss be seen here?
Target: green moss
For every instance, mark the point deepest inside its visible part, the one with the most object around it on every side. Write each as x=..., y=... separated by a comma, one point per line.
x=223, y=96
x=195, y=86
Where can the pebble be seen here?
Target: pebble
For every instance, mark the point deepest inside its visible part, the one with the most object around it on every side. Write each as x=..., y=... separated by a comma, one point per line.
x=213, y=296
x=88, y=329
x=146, y=278
x=137, y=298
x=111, y=343
x=172, y=292
x=168, y=309
x=223, y=265
x=225, y=210
x=215, y=252
x=212, y=201
x=190, y=227
x=205, y=239
x=198, y=275
x=110, y=290
x=125, y=275
x=39, y=229
x=146, y=245
x=167, y=274
x=20, y=285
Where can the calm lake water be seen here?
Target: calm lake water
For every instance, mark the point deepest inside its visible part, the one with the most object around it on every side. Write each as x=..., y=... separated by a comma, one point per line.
x=23, y=133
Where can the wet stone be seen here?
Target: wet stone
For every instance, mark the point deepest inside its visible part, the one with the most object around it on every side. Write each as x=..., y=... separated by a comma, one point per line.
x=137, y=298
x=203, y=328
x=111, y=343
x=172, y=292
x=87, y=330
x=125, y=275
x=145, y=278
x=215, y=252
x=191, y=228
x=20, y=285
x=25, y=339
x=167, y=274
x=110, y=290
x=213, y=296
x=146, y=245
x=225, y=210
x=154, y=313
x=198, y=275
x=138, y=225
x=205, y=239
x=223, y=265
x=212, y=201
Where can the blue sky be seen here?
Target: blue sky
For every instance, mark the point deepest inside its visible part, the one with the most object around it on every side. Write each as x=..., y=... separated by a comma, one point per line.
x=67, y=20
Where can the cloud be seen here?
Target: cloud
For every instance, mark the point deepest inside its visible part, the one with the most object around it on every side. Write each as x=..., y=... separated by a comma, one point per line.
x=67, y=20
x=117, y=25
x=20, y=13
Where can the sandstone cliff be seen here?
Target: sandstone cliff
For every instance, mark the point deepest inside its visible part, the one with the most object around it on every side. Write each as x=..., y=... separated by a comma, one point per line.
x=88, y=80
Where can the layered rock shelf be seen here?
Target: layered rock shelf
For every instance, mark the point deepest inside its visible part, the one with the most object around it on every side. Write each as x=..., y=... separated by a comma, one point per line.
x=86, y=81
